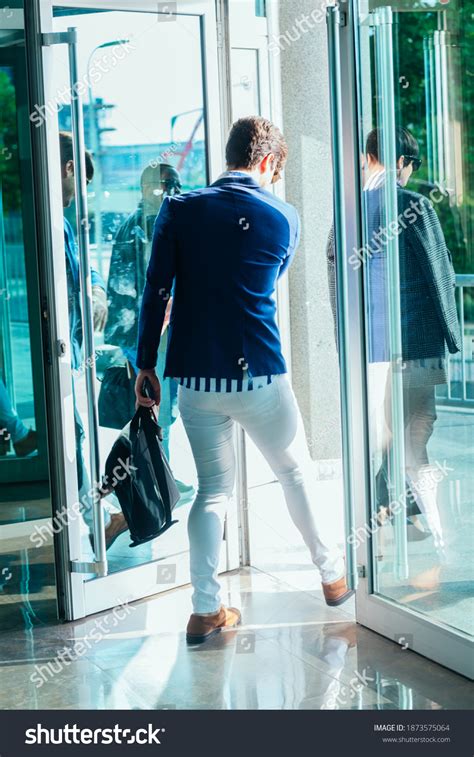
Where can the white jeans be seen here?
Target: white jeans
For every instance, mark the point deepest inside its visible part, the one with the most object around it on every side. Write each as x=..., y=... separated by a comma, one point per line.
x=271, y=417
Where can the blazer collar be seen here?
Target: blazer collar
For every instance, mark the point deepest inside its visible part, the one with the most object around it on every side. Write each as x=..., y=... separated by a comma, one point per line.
x=235, y=177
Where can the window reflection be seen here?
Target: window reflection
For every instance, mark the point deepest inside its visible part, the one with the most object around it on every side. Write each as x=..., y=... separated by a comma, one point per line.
x=144, y=126
x=17, y=412
x=423, y=559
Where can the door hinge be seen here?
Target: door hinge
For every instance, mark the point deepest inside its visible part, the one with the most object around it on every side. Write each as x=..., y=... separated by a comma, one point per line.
x=99, y=568
x=59, y=38
x=361, y=571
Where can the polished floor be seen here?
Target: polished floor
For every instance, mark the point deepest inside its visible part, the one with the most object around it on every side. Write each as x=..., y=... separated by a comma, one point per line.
x=292, y=652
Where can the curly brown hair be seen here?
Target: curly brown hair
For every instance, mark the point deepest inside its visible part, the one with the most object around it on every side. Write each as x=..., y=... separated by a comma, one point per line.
x=252, y=138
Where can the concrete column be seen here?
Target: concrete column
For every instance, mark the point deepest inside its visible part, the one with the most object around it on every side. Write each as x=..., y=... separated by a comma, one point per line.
x=303, y=58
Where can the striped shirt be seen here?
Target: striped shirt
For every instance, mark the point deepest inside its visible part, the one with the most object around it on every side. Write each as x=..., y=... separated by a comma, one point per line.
x=245, y=384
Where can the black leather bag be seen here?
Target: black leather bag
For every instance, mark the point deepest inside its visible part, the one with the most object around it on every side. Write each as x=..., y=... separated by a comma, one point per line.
x=117, y=397
x=139, y=473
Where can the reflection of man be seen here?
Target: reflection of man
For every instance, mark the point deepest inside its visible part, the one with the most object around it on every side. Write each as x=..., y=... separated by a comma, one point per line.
x=99, y=301
x=126, y=282
x=130, y=258
x=429, y=326
x=429, y=323
x=99, y=304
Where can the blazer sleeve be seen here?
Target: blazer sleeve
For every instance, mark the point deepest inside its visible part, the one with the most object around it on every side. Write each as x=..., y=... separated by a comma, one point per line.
x=158, y=287
x=435, y=261
x=293, y=246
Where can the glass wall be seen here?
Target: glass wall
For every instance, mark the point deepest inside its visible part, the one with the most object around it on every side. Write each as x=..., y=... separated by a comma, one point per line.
x=417, y=184
x=27, y=573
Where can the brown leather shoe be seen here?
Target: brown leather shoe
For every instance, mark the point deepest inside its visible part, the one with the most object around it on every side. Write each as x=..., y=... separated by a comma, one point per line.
x=118, y=525
x=337, y=592
x=203, y=627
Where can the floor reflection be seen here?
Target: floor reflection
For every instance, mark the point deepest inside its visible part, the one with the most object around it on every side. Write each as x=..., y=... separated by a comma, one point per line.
x=27, y=571
x=292, y=652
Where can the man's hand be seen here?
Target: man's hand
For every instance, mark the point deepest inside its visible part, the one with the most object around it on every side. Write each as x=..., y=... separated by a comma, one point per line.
x=155, y=386
x=99, y=308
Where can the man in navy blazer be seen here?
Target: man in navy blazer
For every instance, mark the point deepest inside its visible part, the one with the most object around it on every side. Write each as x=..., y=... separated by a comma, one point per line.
x=225, y=246
x=223, y=249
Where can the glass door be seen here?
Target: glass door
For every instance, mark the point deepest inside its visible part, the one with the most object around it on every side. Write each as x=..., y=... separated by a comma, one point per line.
x=27, y=570
x=130, y=89
x=405, y=268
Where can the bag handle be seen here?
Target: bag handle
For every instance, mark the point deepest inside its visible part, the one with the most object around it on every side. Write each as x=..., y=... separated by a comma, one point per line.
x=139, y=415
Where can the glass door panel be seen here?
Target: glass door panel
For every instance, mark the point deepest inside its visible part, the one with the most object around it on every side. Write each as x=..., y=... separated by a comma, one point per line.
x=146, y=90
x=27, y=569
x=416, y=264
x=142, y=148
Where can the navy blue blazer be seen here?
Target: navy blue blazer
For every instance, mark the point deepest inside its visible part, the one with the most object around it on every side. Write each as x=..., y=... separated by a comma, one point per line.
x=224, y=247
